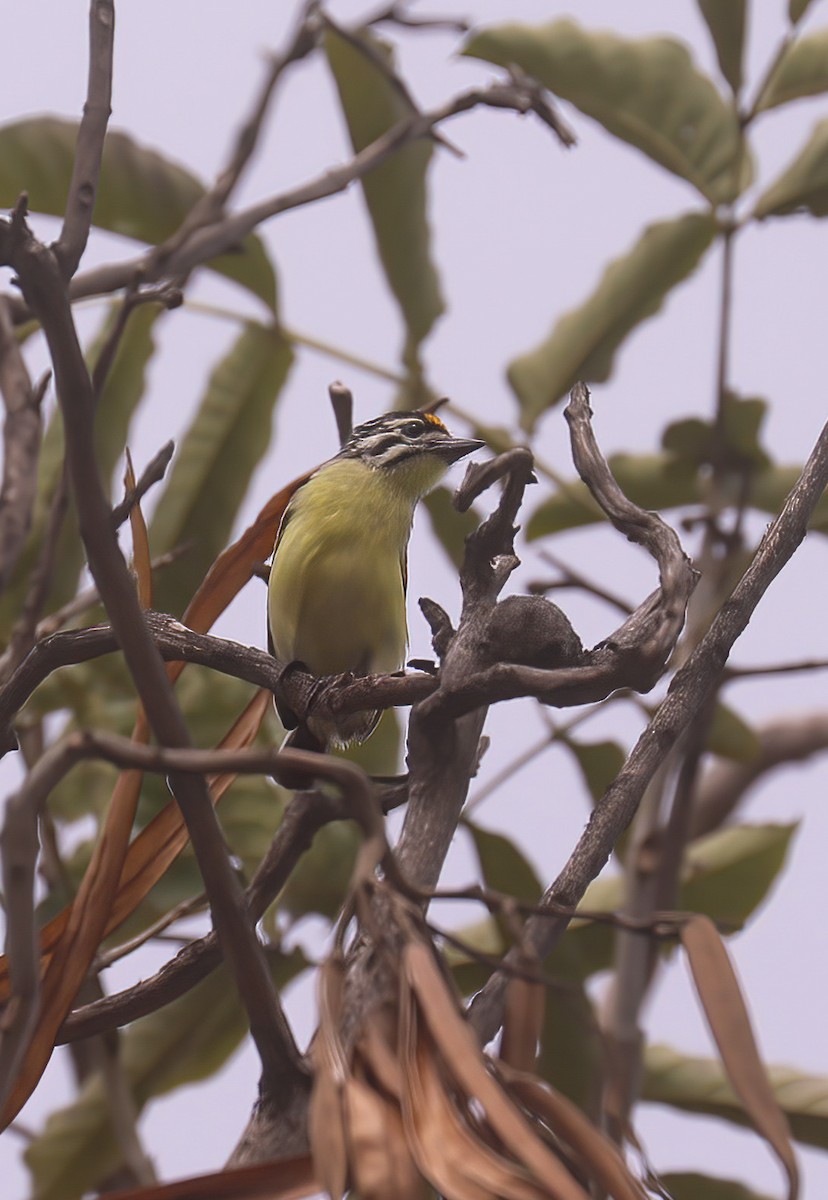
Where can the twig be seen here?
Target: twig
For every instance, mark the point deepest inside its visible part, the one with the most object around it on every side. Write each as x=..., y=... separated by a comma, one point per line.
x=206, y=243
x=574, y=579
x=736, y=674
x=176, y=643
x=689, y=691
x=509, y=771
x=166, y=294
x=634, y=656
x=342, y=402
x=22, y=430
x=123, y=1113
x=86, y=170
x=384, y=66
x=41, y=281
x=185, y=909
x=395, y=14
x=89, y=597
x=153, y=473
x=210, y=207
x=304, y=817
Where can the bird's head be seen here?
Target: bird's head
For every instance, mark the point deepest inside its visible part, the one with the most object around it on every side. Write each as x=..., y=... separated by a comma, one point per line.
x=414, y=448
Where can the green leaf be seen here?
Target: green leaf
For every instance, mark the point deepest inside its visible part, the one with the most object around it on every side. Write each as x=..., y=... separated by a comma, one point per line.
x=395, y=192
x=731, y=737
x=797, y=10
x=502, y=865
x=689, y=1185
x=725, y=875
x=451, y=528
x=729, y=873
x=734, y=443
x=803, y=187
x=228, y=437
x=584, y=342
x=186, y=1041
x=319, y=883
x=726, y=21
x=647, y=93
x=600, y=762
x=571, y=1045
x=121, y=396
x=802, y=71
x=769, y=491
x=662, y=481
x=656, y=481
x=141, y=195
x=483, y=937
x=699, y=1085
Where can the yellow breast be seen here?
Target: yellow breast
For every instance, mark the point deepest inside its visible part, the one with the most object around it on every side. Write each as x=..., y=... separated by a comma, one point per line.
x=336, y=596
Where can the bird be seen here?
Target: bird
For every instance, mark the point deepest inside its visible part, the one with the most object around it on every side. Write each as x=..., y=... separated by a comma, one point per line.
x=338, y=576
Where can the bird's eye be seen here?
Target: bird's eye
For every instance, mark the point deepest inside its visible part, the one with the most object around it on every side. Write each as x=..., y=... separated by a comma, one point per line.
x=413, y=429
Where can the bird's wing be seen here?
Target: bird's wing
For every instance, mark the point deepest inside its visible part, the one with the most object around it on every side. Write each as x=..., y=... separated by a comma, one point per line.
x=286, y=716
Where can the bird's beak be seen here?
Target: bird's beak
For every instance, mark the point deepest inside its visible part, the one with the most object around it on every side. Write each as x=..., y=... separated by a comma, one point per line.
x=456, y=448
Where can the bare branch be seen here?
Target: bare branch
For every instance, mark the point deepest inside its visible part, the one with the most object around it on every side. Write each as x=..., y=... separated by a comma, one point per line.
x=693, y=684
x=176, y=643
x=153, y=473
x=574, y=579
x=42, y=284
x=165, y=294
x=83, y=186
x=342, y=402
x=305, y=816
x=206, y=243
x=22, y=430
x=210, y=207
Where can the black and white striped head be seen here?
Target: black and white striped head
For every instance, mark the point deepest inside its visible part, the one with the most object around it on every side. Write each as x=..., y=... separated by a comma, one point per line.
x=397, y=438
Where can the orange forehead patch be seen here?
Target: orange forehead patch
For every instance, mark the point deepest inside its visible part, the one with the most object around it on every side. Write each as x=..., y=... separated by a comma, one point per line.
x=435, y=421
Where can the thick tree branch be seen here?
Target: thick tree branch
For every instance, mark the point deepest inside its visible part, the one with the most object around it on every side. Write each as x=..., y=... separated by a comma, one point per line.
x=693, y=684
x=41, y=281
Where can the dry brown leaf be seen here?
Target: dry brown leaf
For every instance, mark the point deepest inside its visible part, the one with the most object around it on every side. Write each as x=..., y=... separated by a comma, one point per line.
x=729, y=1021
x=330, y=1071
x=68, y=963
x=600, y=1158
x=120, y=875
x=141, y=558
x=229, y=573
x=446, y=1147
x=288, y=1180
x=381, y=1164
x=459, y=1051
x=157, y=845
x=522, y=1023
x=374, y=1050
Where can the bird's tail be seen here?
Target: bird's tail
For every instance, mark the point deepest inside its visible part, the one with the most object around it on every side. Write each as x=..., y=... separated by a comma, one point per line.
x=300, y=738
